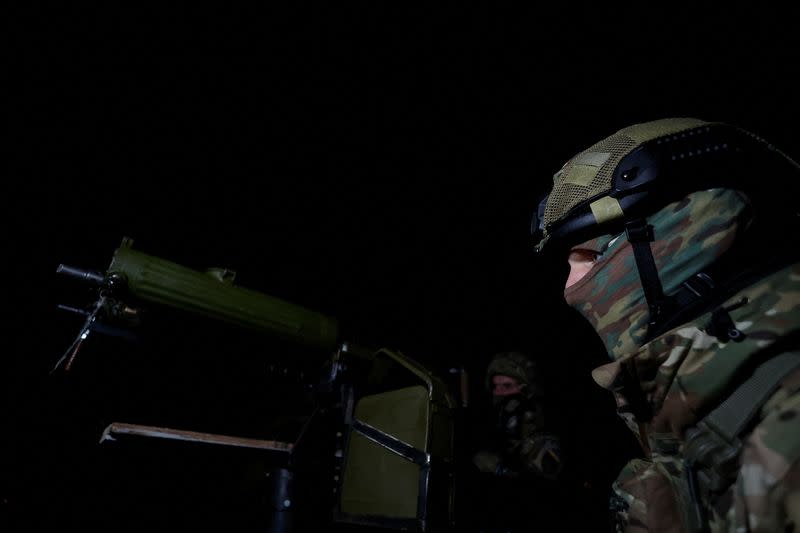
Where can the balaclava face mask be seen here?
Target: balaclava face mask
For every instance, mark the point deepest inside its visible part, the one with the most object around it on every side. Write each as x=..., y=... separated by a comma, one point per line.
x=689, y=235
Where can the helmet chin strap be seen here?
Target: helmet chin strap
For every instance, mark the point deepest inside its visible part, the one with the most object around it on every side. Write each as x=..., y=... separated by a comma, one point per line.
x=695, y=295
x=640, y=235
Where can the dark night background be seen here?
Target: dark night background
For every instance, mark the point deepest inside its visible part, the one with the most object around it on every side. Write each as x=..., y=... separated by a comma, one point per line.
x=378, y=164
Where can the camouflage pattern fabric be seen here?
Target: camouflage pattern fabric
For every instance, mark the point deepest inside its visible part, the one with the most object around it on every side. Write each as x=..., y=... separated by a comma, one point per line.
x=673, y=381
x=527, y=446
x=689, y=235
x=685, y=373
x=523, y=445
x=766, y=496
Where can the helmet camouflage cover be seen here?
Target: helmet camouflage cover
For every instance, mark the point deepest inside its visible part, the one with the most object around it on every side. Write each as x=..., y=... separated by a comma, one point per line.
x=662, y=160
x=517, y=366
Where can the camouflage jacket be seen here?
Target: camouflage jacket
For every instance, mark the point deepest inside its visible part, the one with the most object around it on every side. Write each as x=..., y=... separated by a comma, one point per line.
x=523, y=446
x=685, y=373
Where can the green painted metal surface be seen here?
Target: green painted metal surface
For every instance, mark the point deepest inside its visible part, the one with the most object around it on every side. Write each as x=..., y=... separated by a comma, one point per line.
x=214, y=295
x=376, y=480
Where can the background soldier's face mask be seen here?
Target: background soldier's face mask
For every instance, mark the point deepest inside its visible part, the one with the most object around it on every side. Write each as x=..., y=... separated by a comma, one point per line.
x=689, y=235
x=501, y=400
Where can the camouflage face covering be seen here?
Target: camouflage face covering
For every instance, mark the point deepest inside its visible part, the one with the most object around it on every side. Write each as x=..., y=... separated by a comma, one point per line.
x=689, y=236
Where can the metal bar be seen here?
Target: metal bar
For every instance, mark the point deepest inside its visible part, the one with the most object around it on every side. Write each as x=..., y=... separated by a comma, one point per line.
x=404, y=450
x=401, y=524
x=422, y=496
x=116, y=430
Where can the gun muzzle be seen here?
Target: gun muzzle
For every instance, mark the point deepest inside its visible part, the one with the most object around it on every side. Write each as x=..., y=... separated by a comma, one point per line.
x=86, y=276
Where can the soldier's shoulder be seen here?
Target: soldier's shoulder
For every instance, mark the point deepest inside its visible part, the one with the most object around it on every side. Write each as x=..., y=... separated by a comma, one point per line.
x=774, y=443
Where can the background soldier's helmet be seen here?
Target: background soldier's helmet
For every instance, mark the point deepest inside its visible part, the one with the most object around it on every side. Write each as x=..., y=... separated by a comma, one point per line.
x=517, y=366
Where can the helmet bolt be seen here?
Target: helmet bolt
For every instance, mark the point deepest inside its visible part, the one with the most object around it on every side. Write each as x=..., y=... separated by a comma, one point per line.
x=630, y=174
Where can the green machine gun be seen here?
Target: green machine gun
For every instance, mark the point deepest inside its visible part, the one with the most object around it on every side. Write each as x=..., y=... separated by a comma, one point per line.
x=395, y=461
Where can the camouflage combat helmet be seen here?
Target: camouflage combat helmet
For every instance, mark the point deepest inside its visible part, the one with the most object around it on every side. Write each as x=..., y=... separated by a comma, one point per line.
x=517, y=366
x=642, y=167
x=611, y=189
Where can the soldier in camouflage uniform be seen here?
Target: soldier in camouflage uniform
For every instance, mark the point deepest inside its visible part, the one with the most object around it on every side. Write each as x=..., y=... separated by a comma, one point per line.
x=693, y=284
x=522, y=445
x=519, y=467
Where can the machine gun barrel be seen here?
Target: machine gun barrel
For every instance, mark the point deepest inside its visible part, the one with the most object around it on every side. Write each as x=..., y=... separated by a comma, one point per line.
x=89, y=276
x=214, y=295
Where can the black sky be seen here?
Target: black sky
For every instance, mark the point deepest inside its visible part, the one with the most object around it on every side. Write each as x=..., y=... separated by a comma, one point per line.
x=379, y=164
